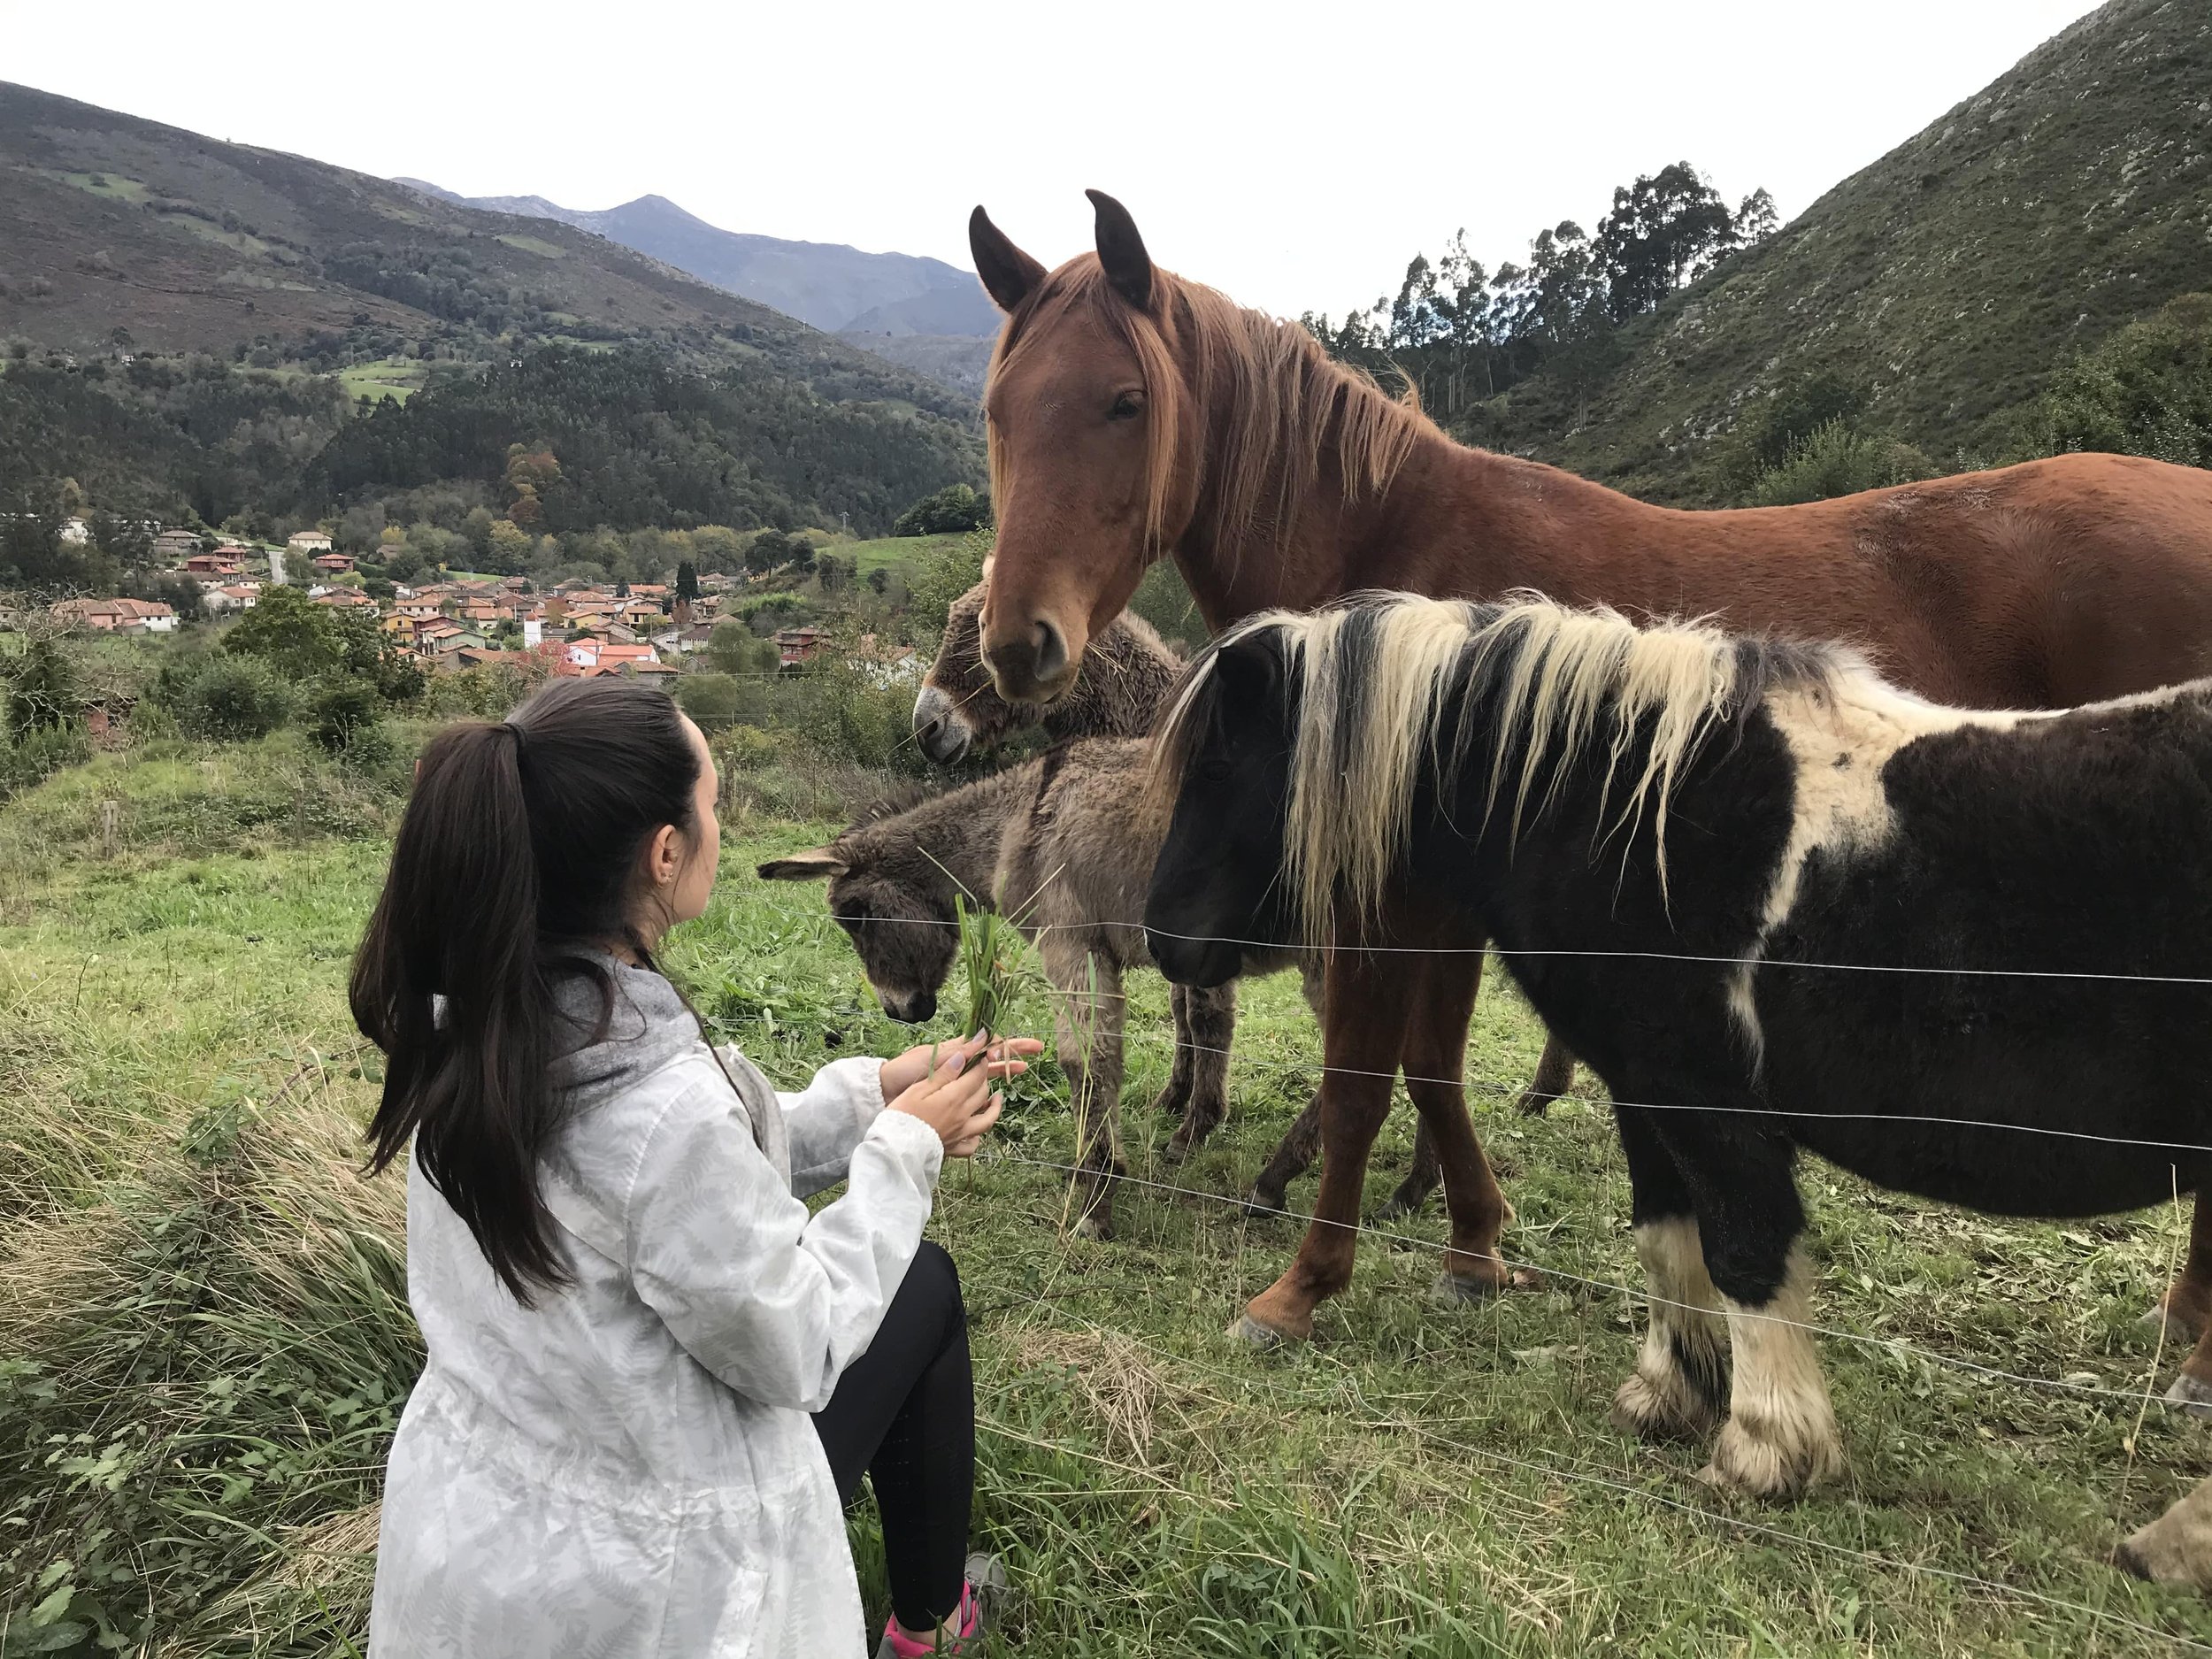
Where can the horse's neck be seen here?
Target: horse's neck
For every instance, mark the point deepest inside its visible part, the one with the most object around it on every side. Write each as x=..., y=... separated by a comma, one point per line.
x=1456, y=522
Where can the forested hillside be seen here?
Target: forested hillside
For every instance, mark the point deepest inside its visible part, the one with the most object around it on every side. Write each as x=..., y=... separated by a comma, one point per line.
x=1936, y=292
x=190, y=323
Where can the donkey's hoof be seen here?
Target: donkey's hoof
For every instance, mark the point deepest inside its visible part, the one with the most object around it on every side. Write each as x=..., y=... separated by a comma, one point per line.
x=1264, y=1338
x=1094, y=1225
x=1171, y=1103
x=2192, y=1394
x=1402, y=1204
x=1534, y=1102
x=2177, y=1548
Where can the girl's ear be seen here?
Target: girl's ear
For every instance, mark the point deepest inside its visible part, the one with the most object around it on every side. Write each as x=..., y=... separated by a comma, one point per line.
x=819, y=865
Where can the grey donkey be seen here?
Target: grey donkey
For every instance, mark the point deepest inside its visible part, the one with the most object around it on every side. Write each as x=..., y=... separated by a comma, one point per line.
x=1062, y=845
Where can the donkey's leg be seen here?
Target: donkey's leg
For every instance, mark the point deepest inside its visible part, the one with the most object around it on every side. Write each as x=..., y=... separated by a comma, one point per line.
x=1294, y=1157
x=1087, y=1022
x=1212, y=1017
x=1555, y=1076
x=1435, y=1058
x=1172, y=1099
x=1370, y=1001
x=1781, y=1436
x=1679, y=1386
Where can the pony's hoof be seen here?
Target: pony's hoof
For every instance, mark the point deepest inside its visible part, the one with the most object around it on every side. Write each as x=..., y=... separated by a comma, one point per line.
x=1663, y=1410
x=1534, y=1102
x=1259, y=1202
x=1246, y=1331
x=2192, y=1394
x=1095, y=1227
x=1773, y=1466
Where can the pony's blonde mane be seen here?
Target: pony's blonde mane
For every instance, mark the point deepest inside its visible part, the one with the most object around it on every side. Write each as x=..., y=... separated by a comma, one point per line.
x=1255, y=398
x=1392, y=684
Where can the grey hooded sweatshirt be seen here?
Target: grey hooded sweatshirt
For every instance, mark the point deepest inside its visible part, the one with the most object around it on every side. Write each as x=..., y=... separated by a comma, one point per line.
x=628, y=1467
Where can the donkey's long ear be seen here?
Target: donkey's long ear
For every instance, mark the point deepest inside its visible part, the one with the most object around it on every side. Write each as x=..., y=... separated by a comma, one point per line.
x=1009, y=276
x=1121, y=251
x=819, y=864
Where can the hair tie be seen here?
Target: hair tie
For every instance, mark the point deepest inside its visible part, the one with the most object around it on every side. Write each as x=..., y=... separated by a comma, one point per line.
x=522, y=743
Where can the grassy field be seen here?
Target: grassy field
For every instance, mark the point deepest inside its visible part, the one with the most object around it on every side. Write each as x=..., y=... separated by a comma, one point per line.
x=204, y=1343
x=396, y=378
x=892, y=552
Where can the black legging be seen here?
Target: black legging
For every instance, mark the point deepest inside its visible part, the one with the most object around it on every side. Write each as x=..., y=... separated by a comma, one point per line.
x=904, y=1414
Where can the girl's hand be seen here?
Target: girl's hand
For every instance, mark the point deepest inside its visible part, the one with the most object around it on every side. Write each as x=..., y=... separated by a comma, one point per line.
x=955, y=1099
x=1008, y=1058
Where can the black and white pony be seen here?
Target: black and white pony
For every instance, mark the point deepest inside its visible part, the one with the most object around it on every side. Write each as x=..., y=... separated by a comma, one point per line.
x=1662, y=831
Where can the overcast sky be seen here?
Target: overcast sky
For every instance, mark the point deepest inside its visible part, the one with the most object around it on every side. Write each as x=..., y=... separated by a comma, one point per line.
x=1294, y=157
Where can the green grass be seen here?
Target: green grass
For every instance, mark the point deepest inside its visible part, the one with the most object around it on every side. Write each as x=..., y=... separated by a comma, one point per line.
x=396, y=378
x=204, y=1340
x=533, y=244
x=892, y=552
x=112, y=186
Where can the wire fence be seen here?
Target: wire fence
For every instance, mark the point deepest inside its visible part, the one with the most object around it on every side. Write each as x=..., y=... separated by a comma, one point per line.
x=2139, y=1400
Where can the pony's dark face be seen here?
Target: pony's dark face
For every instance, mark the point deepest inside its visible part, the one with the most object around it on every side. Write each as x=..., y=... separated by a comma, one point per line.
x=1087, y=481
x=1219, y=878
x=901, y=919
x=959, y=709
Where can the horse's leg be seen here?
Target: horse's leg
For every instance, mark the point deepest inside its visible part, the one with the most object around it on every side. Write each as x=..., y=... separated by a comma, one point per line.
x=1294, y=1157
x=1176, y=1096
x=1370, y=1001
x=1435, y=1060
x=1781, y=1436
x=2187, y=1306
x=1679, y=1386
x=1212, y=1027
x=1555, y=1076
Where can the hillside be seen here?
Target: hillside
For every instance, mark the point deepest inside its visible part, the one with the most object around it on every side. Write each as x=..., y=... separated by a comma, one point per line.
x=129, y=239
x=1945, y=283
x=187, y=243
x=922, y=314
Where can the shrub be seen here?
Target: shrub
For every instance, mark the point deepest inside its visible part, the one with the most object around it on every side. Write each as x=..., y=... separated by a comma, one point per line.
x=947, y=512
x=340, y=711
x=37, y=754
x=233, y=699
x=744, y=749
x=711, y=700
x=1833, y=460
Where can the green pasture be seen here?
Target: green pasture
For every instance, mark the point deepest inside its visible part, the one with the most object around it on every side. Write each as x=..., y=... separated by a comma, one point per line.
x=205, y=1341
x=396, y=378
x=893, y=552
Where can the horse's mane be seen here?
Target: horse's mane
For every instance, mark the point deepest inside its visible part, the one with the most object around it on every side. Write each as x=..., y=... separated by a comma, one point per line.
x=1261, y=398
x=1390, y=682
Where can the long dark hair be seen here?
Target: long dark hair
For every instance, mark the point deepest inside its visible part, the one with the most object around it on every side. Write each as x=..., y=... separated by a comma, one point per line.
x=518, y=851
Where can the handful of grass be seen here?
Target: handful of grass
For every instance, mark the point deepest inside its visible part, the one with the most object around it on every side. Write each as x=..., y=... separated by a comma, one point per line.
x=987, y=944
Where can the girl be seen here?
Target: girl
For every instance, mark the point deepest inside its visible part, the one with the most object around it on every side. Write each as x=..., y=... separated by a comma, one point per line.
x=627, y=1308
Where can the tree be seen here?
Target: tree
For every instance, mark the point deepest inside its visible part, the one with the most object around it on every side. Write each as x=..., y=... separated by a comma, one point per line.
x=947, y=511
x=42, y=688
x=710, y=700
x=508, y=546
x=686, y=582
x=1666, y=229
x=765, y=552
x=878, y=580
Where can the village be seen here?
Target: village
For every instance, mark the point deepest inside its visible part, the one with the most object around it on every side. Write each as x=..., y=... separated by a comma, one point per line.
x=576, y=628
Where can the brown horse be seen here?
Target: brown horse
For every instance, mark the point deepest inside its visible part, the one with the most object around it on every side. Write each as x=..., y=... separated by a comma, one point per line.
x=1134, y=414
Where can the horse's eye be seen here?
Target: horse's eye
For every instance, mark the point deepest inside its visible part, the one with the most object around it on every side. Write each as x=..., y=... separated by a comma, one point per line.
x=1216, y=771
x=1128, y=406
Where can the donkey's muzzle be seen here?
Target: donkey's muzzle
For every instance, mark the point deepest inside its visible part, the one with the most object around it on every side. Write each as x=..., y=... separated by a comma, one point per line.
x=939, y=731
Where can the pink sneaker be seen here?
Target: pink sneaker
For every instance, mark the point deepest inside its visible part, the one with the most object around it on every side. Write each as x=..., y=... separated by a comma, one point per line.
x=986, y=1583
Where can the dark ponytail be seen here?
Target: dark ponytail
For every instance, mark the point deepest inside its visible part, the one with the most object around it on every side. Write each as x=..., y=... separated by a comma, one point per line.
x=519, y=850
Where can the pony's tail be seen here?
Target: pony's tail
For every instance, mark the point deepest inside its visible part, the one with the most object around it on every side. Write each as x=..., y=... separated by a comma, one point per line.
x=449, y=983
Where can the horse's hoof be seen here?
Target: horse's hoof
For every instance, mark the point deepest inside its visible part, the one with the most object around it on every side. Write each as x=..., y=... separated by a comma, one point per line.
x=1249, y=1332
x=1770, y=1465
x=1257, y=1202
x=1662, y=1408
x=2192, y=1394
x=2180, y=1323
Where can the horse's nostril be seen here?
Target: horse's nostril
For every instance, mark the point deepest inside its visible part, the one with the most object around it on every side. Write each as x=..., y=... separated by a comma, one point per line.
x=1051, y=648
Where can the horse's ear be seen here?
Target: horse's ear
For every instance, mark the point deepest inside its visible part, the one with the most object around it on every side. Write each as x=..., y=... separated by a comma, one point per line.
x=1250, y=669
x=1009, y=276
x=1121, y=251
x=819, y=865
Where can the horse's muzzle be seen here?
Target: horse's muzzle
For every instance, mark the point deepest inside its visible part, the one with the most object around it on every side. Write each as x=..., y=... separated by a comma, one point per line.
x=1032, y=669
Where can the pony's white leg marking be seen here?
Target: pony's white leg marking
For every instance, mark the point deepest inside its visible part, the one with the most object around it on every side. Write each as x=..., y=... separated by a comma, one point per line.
x=1781, y=1436
x=1681, y=1373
